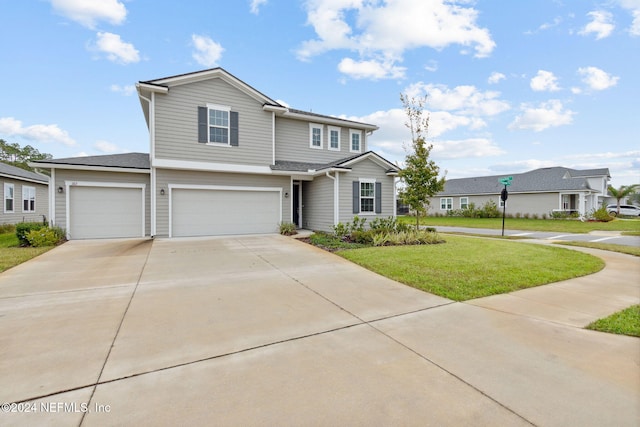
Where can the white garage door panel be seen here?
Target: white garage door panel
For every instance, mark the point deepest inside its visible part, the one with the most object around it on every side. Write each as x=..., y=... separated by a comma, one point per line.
x=198, y=212
x=105, y=212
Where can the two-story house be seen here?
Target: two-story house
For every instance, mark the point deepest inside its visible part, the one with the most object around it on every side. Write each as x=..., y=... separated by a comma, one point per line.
x=537, y=192
x=224, y=159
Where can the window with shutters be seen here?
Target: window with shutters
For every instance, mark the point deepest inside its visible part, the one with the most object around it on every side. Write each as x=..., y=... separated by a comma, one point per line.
x=367, y=196
x=217, y=125
x=28, y=199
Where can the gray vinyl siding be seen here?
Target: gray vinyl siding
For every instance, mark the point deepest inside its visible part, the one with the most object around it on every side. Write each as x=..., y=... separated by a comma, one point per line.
x=522, y=203
x=317, y=201
x=62, y=175
x=42, y=202
x=176, y=121
x=366, y=169
x=292, y=142
x=164, y=177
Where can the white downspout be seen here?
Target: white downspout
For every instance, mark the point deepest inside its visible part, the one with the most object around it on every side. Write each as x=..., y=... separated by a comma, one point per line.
x=336, y=207
x=52, y=197
x=273, y=137
x=152, y=137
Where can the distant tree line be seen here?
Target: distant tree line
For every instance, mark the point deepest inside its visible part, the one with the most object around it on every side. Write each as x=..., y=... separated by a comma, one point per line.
x=15, y=155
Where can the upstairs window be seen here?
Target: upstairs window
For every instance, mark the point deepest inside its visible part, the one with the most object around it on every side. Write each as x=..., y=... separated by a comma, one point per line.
x=28, y=199
x=356, y=145
x=315, y=136
x=334, y=138
x=8, y=197
x=217, y=125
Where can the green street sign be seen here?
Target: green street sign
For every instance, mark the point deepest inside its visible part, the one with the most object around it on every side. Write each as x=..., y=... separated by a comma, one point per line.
x=506, y=181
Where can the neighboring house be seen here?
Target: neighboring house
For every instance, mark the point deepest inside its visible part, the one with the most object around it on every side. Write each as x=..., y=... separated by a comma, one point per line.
x=537, y=192
x=224, y=159
x=24, y=195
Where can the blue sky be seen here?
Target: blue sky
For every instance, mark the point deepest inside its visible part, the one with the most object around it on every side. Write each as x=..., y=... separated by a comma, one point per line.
x=511, y=85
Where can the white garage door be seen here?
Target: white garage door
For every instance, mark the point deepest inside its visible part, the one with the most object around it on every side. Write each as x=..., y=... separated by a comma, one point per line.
x=105, y=212
x=207, y=212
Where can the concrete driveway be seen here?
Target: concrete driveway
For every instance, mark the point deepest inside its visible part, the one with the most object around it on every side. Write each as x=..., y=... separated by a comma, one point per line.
x=266, y=330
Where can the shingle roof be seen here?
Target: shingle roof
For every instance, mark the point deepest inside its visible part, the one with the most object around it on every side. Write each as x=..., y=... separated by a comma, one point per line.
x=544, y=179
x=126, y=161
x=14, y=171
x=293, y=166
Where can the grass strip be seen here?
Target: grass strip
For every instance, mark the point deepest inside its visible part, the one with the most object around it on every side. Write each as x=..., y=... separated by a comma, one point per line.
x=465, y=268
x=625, y=322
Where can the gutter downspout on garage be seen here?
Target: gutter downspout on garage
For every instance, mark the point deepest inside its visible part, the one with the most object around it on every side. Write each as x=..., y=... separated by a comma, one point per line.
x=152, y=192
x=336, y=198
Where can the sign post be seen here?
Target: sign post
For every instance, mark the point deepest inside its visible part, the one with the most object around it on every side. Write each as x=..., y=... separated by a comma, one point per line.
x=504, y=195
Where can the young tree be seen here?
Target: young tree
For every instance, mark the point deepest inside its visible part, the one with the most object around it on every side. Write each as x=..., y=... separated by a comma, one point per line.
x=621, y=193
x=420, y=174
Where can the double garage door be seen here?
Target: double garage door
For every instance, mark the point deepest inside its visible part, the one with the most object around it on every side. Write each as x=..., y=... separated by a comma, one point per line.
x=224, y=211
x=97, y=212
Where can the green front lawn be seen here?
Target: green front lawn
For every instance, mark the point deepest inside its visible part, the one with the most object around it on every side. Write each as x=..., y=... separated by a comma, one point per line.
x=11, y=254
x=632, y=226
x=623, y=249
x=465, y=268
x=625, y=322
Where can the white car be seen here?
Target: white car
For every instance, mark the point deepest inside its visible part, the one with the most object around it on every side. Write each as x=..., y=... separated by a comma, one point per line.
x=628, y=210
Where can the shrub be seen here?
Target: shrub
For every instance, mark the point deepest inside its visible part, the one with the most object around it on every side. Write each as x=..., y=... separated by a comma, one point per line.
x=341, y=230
x=362, y=237
x=489, y=210
x=518, y=215
x=23, y=228
x=600, y=214
x=61, y=233
x=534, y=216
x=288, y=229
x=544, y=216
x=357, y=224
x=44, y=236
x=525, y=215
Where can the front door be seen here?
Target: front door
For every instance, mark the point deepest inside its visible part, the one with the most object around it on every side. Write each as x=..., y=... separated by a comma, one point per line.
x=296, y=204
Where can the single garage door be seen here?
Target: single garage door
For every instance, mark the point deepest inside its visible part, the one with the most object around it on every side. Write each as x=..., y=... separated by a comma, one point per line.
x=105, y=212
x=207, y=212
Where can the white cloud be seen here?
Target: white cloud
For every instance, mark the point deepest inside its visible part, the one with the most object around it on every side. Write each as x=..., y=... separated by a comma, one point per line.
x=116, y=49
x=463, y=99
x=544, y=81
x=548, y=114
x=601, y=25
x=431, y=66
x=89, y=12
x=597, y=79
x=522, y=166
x=40, y=133
x=127, y=90
x=374, y=70
x=633, y=6
x=495, y=78
x=207, y=52
x=385, y=30
x=255, y=6
x=107, y=147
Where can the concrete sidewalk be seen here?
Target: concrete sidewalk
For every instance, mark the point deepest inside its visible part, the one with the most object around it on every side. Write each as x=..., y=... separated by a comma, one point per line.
x=266, y=330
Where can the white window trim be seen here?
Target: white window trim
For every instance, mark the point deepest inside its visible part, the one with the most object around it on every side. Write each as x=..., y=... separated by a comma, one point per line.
x=336, y=129
x=467, y=202
x=500, y=202
x=220, y=108
x=27, y=187
x=448, y=202
x=4, y=200
x=351, y=133
x=368, y=181
x=313, y=126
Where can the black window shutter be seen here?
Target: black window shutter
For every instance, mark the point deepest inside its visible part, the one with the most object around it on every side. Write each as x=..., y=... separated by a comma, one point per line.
x=202, y=125
x=233, y=122
x=378, y=203
x=356, y=197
